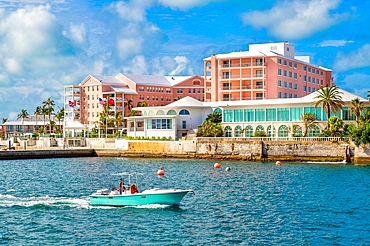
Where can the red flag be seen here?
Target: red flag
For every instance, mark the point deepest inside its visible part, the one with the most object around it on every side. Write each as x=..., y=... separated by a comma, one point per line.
x=110, y=101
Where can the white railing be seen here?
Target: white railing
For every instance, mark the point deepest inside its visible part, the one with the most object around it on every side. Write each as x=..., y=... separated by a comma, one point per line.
x=297, y=139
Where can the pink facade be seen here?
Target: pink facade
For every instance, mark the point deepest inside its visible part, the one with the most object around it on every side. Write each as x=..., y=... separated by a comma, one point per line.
x=262, y=74
x=128, y=91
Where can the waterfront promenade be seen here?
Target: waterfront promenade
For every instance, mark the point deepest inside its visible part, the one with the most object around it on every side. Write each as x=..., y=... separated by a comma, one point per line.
x=251, y=149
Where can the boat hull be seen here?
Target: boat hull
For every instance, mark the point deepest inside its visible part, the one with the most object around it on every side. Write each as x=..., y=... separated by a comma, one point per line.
x=172, y=198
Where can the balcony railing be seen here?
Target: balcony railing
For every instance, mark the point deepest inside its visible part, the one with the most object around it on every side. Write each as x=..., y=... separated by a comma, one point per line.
x=242, y=98
x=243, y=76
x=238, y=65
x=248, y=87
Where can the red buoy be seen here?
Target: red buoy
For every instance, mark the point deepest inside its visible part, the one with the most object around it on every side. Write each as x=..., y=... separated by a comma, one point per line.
x=278, y=163
x=217, y=165
x=161, y=171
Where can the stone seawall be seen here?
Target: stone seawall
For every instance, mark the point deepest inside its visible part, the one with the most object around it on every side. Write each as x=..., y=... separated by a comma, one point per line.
x=39, y=154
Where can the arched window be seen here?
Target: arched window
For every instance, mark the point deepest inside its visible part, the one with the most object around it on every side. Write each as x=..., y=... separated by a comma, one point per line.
x=297, y=131
x=145, y=113
x=160, y=112
x=237, y=131
x=151, y=113
x=249, y=131
x=171, y=112
x=228, y=131
x=184, y=112
x=283, y=131
x=270, y=131
x=260, y=129
x=313, y=131
x=218, y=110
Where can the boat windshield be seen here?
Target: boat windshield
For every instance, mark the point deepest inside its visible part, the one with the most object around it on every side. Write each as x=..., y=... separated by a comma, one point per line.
x=129, y=175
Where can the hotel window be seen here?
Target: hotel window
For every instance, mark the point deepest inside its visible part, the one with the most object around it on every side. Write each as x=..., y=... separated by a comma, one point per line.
x=290, y=85
x=290, y=95
x=295, y=65
x=283, y=114
x=198, y=90
x=92, y=114
x=279, y=71
x=179, y=90
x=321, y=73
x=226, y=75
x=194, y=90
x=304, y=88
x=260, y=114
x=168, y=90
x=284, y=62
x=92, y=88
x=259, y=95
x=153, y=98
x=313, y=89
x=284, y=94
x=279, y=83
x=317, y=71
x=279, y=94
x=141, y=97
x=162, y=98
x=284, y=73
x=88, y=97
x=317, y=81
x=97, y=88
x=309, y=89
x=284, y=84
x=313, y=70
x=290, y=64
x=88, y=88
x=228, y=115
x=148, y=98
x=295, y=86
x=309, y=69
x=279, y=61
x=238, y=115
x=321, y=82
x=304, y=68
x=249, y=115
x=295, y=75
x=295, y=95
x=309, y=79
x=271, y=114
x=290, y=74
x=304, y=78
x=92, y=97
x=189, y=91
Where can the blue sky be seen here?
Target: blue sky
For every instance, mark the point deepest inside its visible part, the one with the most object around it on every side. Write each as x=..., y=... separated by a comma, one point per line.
x=47, y=44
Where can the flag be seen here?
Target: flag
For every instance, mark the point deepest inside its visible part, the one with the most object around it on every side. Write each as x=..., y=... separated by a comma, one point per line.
x=71, y=104
x=74, y=103
x=110, y=101
x=101, y=101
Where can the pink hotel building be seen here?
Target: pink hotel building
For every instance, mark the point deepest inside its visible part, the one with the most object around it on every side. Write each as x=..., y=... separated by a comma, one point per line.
x=266, y=71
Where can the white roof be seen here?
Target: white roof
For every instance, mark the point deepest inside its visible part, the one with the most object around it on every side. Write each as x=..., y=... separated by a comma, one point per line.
x=174, y=80
x=74, y=125
x=125, y=90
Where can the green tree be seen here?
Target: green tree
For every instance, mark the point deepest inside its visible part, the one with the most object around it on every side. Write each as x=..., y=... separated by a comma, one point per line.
x=307, y=120
x=49, y=104
x=37, y=112
x=23, y=115
x=118, y=119
x=356, y=107
x=368, y=95
x=44, y=112
x=210, y=129
x=335, y=126
x=214, y=117
x=142, y=104
x=129, y=104
x=60, y=115
x=330, y=99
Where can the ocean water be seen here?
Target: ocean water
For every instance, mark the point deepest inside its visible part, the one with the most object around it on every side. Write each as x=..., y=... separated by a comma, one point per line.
x=45, y=202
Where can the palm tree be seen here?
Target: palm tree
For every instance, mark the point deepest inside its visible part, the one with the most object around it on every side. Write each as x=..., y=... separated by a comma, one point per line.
x=118, y=119
x=129, y=104
x=330, y=98
x=23, y=115
x=356, y=107
x=368, y=95
x=37, y=112
x=44, y=112
x=5, y=120
x=142, y=104
x=214, y=117
x=49, y=103
x=60, y=115
x=307, y=120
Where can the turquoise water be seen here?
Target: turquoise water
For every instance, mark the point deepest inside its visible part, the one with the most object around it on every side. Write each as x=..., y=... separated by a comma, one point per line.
x=46, y=202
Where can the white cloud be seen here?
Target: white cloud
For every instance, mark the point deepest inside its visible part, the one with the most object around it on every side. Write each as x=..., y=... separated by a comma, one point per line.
x=334, y=43
x=182, y=62
x=355, y=59
x=294, y=19
x=184, y=4
x=357, y=82
x=78, y=33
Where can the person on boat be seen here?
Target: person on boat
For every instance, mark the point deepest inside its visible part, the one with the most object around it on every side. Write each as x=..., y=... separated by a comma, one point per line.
x=134, y=189
x=121, y=186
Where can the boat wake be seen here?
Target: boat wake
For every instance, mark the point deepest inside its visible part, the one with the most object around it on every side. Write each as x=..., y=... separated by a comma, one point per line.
x=46, y=201
x=78, y=203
